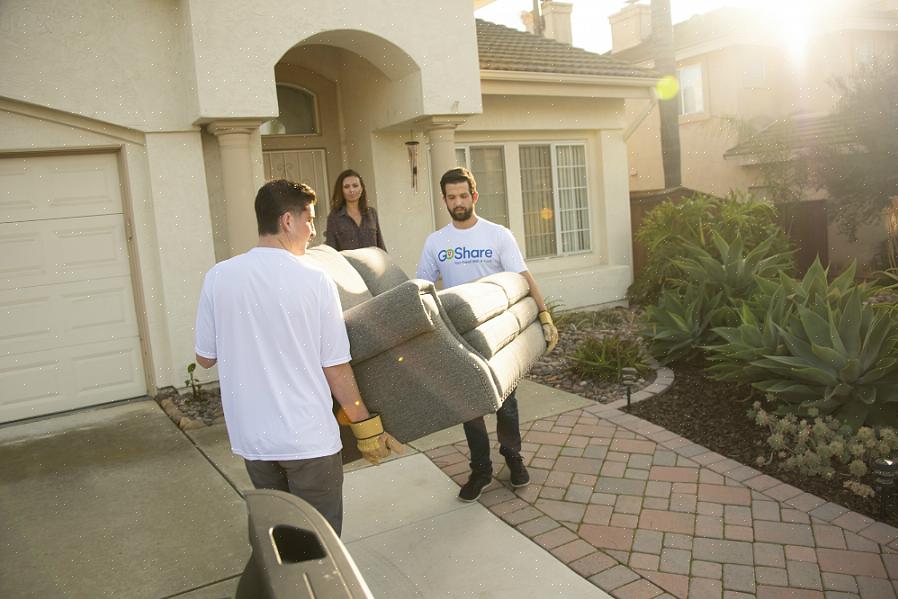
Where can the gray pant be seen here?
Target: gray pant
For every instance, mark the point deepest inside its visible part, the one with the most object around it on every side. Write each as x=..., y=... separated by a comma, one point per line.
x=316, y=480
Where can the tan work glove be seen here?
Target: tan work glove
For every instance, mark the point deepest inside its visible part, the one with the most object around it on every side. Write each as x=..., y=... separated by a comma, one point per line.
x=550, y=333
x=375, y=444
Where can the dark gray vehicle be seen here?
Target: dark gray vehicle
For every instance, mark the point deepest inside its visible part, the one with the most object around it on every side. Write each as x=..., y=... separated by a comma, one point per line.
x=296, y=553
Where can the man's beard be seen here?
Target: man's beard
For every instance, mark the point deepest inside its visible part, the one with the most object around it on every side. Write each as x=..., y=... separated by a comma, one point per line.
x=461, y=213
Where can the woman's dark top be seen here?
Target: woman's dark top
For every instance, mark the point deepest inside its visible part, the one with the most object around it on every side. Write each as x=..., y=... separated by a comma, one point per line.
x=343, y=234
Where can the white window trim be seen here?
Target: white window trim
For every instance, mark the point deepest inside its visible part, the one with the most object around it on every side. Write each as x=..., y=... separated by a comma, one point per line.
x=680, y=102
x=514, y=198
x=556, y=199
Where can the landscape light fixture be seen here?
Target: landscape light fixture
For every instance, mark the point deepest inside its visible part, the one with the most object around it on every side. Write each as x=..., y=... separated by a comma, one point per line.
x=628, y=378
x=884, y=469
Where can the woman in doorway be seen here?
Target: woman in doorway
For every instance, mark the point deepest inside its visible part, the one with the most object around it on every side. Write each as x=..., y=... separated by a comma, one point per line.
x=352, y=223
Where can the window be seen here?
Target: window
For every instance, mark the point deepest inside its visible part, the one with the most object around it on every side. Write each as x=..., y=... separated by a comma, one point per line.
x=691, y=90
x=555, y=199
x=864, y=52
x=754, y=73
x=487, y=164
x=298, y=113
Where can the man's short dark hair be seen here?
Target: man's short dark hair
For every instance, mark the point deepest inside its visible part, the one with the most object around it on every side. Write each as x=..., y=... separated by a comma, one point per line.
x=277, y=197
x=458, y=175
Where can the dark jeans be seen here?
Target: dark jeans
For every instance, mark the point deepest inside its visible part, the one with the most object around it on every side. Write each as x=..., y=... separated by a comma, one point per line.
x=507, y=429
x=316, y=480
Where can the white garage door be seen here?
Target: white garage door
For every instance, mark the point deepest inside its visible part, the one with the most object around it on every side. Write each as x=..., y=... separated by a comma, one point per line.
x=68, y=327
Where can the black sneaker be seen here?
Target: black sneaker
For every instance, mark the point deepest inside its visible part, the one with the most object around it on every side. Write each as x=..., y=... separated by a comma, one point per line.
x=472, y=489
x=519, y=475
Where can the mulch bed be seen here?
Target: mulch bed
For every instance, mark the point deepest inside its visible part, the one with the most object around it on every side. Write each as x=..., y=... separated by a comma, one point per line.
x=713, y=414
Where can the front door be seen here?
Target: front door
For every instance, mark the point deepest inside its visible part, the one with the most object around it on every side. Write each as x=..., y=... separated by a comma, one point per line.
x=302, y=166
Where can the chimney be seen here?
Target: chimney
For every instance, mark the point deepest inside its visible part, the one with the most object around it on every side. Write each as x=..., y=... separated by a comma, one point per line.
x=631, y=26
x=557, y=21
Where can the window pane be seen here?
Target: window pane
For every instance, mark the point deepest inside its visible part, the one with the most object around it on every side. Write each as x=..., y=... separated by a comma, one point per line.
x=539, y=209
x=488, y=168
x=460, y=157
x=297, y=113
x=691, y=91
x=573, y=198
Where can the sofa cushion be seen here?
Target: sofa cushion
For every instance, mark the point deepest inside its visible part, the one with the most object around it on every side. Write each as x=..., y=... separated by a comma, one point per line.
x=491, y=336
x=376, y=268
x=350, y=284
x=472, y=304
x=388, y=320
x=514, y=284
x=511, y=363
x=525, y=311
x=497, y=332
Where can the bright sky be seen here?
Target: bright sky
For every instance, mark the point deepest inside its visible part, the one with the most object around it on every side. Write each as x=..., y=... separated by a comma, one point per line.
x=589, y=18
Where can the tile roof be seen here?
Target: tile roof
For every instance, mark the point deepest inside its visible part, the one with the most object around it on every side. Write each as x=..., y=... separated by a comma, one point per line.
x=505, y=49
x=800, y=131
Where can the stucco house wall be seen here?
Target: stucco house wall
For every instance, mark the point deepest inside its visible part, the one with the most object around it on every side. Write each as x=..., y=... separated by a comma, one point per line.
x=177, y=90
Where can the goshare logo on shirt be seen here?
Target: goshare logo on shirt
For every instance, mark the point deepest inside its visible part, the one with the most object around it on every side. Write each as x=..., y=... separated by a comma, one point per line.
x=463, y=254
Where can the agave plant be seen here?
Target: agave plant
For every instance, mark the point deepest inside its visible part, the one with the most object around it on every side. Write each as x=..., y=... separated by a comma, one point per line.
x=819, y=346
x=733, y=271
x=679, y=326
x=756, y=335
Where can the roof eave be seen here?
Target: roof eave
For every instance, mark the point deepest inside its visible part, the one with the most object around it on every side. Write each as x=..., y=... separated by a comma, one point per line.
x=521, y=83
x=567, y=78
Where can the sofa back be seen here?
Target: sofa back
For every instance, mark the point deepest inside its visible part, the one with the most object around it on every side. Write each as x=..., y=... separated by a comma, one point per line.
x=376, y=268
x=350, y=284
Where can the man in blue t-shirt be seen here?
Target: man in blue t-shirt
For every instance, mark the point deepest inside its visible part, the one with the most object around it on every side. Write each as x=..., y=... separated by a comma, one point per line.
x=467, y=249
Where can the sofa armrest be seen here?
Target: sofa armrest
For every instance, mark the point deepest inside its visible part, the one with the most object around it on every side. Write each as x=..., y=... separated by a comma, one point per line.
x=388, y=319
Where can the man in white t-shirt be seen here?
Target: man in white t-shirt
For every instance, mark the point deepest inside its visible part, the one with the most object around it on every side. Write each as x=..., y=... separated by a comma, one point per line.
x=274, y=325
x=467, y=249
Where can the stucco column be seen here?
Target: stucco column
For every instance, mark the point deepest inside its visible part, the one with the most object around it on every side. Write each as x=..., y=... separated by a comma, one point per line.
x=441, y=134
x=235, y=138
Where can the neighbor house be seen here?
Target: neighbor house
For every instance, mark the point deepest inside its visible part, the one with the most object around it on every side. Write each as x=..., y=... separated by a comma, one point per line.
x=743, y=68
x=136, y=133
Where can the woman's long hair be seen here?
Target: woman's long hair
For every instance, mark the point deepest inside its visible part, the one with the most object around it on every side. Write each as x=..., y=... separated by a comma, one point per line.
x=337, y=199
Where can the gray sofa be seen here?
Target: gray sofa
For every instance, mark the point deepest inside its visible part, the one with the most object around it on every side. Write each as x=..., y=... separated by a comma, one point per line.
x=426, y=360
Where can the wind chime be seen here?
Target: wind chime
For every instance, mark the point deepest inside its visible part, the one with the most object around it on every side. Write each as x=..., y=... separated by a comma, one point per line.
x=412, y=147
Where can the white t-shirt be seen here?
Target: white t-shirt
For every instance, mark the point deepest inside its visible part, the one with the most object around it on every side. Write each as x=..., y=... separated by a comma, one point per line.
x=273, y=320
x=464, y=255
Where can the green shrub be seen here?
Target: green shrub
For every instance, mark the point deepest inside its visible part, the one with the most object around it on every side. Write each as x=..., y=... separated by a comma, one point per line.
x=757, y=334
x=670, y=227
x=821, y=346
x=709, y=295
x=680, y=324
x=605, y=358
x=824, y=446
x=730, y=269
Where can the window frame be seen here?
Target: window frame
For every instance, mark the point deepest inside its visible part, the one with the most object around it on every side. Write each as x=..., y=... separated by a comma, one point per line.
x=681, y=107
x=316, y=113
x=556, y=197
x=465, y=147
x=511, y=149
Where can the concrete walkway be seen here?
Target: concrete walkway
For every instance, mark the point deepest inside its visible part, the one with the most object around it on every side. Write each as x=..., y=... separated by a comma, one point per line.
x=119, y=502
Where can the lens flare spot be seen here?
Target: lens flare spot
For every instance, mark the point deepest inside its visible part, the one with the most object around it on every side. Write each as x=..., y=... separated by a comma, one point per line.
x=667, y=87
x=401, y=358
x=546, y=214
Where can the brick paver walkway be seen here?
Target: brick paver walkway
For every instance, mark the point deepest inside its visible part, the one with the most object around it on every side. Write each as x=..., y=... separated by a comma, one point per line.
x=643, y=513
